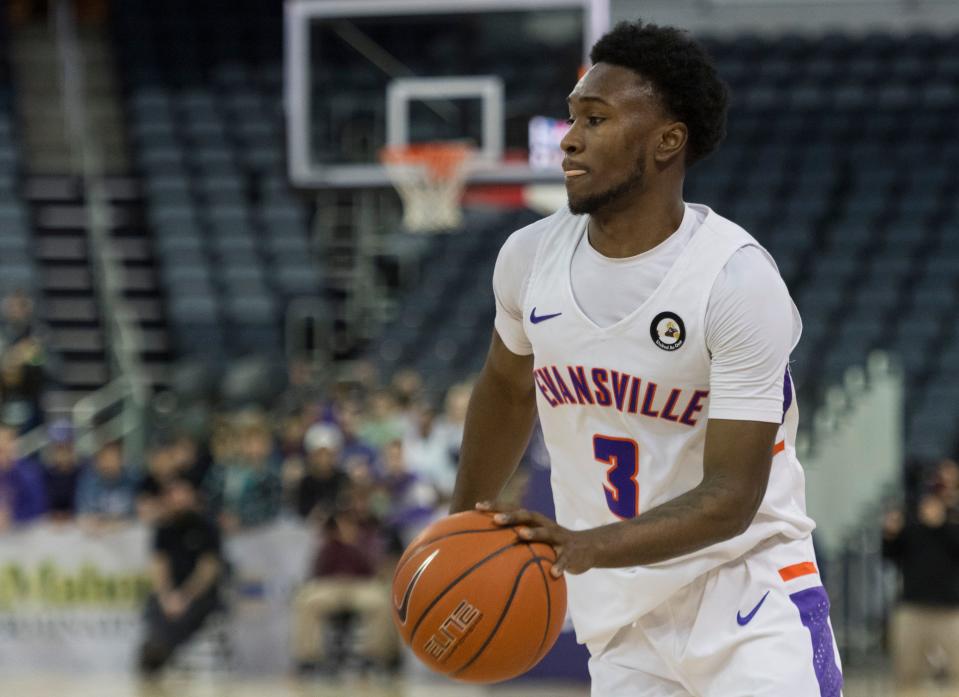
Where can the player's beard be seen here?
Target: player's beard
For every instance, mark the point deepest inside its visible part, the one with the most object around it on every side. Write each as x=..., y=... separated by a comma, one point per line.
x=595, y=202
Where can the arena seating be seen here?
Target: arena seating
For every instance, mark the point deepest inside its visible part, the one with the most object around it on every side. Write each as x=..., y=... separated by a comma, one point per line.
x=16, y=263
x=205, y=106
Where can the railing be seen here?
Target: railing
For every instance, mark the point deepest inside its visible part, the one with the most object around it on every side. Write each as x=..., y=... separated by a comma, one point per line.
x=853, y=462
x=309, y=331
x=128, y=392
x=854, y=450
x=862, y=588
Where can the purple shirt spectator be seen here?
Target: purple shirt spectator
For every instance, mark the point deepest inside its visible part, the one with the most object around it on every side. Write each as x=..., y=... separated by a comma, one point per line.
x=23, y=496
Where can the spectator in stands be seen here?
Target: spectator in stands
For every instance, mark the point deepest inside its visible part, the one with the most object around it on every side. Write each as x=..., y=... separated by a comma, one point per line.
x=947, y=483
x=23, y=497
x=451, y=423
x=413, y=501
x=427, y=450
x=354, y=447
x=926, y=548
x=107, y=490
x=162, y=466
x=189, y=457
x=185, y=575
x=245, y=490
x=25, y=363
x=350, y=575
x=384, y=423
x=324, y=482
x=291, y=432
x=302, y=388
x=407, y=387
x=62, y=469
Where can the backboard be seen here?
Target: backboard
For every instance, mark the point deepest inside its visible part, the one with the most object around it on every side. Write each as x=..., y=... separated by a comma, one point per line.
x=360, y=74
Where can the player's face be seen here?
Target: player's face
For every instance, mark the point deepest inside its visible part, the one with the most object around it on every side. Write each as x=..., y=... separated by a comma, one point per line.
x=615, y=119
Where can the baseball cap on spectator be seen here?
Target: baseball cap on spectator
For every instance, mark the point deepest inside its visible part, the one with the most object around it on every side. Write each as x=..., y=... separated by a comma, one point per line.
x=322, y=436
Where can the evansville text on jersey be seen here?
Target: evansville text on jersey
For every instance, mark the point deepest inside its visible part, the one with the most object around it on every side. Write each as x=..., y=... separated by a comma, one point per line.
x=612, y=389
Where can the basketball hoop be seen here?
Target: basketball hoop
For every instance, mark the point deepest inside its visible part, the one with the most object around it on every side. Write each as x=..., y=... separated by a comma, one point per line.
x=430, y=178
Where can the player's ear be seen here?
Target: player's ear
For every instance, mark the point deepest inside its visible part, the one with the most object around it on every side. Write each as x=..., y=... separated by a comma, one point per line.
x=672, y=141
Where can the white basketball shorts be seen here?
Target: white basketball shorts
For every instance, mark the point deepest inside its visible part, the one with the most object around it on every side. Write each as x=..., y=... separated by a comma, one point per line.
x=755, y=627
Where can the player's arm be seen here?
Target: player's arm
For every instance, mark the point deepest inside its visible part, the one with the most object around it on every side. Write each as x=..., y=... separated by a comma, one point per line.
x=499, y=422
x=736, y=464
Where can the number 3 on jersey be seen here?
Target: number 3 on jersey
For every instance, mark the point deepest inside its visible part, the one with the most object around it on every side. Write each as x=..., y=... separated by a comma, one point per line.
x=622, y=457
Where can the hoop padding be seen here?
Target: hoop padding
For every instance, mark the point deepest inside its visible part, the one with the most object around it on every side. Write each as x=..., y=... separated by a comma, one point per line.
x=430, y=178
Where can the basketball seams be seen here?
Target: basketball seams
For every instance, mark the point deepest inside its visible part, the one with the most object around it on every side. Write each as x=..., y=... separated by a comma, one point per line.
x=549, y=610
x=439, y=596
x=499, y=621
x=407, y=556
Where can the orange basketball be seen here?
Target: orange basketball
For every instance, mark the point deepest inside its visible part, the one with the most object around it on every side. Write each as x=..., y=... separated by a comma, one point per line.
x=475, y=602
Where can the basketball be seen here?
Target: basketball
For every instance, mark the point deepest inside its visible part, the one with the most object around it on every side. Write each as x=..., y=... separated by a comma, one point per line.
x=475, y=602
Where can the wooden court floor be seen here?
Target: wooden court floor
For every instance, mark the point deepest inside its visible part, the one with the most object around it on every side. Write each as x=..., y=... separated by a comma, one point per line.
x=235, y=686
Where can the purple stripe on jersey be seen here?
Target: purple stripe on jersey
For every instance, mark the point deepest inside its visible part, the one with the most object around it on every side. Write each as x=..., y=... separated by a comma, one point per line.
x=813, y=604
x=787, y=393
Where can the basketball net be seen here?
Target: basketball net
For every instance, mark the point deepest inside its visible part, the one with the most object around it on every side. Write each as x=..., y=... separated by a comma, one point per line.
x=430, y=178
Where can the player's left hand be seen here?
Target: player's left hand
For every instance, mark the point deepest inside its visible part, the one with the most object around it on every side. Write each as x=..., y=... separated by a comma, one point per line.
x=573, y=553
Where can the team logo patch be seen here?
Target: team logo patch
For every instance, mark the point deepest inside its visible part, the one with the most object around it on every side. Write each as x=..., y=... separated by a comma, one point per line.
x=667, y=331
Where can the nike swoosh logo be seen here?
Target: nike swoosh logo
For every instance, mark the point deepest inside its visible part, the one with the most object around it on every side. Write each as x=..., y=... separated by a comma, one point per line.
x=743, y=621
x=404, y=607
x=542, y=318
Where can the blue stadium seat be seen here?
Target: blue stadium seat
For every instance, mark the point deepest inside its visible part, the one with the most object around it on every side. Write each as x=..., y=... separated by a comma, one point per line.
x=918, y=329
x=903, y=236
x=194, y=309
x=836, y=270
x=186, y=281
x=219, y=160
x=238, y=244
x=891, y=268
x=820, y=299
x=254, y=324
x=296, y=280
x=932, y=299
x=876, y=298
x=229, y=215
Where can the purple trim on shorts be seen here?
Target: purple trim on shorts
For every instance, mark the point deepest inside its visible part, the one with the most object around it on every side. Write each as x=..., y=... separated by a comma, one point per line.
x=787, y=393
x=813, y=604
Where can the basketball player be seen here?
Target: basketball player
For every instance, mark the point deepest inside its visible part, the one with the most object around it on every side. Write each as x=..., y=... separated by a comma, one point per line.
x=652, y=336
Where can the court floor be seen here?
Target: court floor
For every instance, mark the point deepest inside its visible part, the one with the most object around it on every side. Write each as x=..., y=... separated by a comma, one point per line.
x=225, y=686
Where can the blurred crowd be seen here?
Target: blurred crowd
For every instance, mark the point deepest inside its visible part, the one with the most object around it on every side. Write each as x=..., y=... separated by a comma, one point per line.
x=390, y=450
x=365, y=465
x=922, y=539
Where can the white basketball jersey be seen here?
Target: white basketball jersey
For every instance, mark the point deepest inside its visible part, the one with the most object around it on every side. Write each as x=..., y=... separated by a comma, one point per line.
x=624, y=411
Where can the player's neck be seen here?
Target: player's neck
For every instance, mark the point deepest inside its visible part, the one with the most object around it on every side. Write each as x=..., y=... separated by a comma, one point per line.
x=636, y=227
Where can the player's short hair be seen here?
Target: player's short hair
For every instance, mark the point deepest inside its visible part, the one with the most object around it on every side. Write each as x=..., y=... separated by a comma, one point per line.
x=681, y=72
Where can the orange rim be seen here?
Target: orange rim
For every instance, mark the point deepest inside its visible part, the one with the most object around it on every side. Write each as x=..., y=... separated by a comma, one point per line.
x=441, y=159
